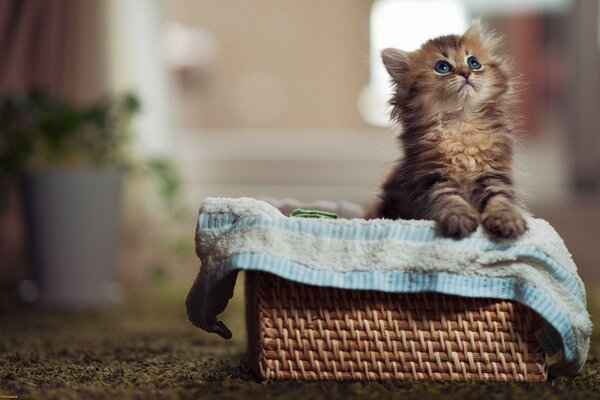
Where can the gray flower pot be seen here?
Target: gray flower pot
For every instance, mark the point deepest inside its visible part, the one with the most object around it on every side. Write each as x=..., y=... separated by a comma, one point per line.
x=72, y=219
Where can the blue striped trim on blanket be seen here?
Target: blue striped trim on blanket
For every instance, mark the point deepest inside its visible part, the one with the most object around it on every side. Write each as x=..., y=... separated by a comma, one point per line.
x=371, y=232
x=557, y=337
x=440, y=282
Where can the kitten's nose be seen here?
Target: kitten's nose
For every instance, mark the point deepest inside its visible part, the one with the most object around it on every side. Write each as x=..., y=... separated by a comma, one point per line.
x=464, y=73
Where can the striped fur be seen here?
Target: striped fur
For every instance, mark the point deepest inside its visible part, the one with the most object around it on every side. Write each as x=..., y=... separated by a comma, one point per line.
x=457, y=138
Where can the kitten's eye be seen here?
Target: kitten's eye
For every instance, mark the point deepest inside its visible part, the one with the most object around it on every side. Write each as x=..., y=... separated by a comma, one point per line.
x=443, y=67
x=473, y=63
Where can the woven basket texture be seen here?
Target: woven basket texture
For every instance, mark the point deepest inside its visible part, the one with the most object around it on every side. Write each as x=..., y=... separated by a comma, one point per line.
x=304, y=332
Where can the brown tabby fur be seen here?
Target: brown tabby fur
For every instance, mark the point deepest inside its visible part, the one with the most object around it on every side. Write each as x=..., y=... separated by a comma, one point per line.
x=457, y=140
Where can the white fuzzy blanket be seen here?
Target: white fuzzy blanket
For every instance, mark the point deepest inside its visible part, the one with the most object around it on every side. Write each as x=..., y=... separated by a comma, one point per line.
x=393, y=256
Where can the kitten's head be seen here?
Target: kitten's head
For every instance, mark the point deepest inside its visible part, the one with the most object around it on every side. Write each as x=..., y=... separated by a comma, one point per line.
x=448, y=73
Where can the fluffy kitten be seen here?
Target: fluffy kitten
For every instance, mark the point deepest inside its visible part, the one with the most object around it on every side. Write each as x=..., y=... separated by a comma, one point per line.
x=452, y=98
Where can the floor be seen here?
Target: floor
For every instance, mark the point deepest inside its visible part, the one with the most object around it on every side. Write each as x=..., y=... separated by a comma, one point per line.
x=144, y=348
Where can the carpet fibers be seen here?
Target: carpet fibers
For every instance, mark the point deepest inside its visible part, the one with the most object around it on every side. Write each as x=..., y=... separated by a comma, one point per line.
x=144, y=348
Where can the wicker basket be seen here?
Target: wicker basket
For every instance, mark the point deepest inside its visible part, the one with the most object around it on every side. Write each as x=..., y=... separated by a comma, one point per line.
x=298, y=331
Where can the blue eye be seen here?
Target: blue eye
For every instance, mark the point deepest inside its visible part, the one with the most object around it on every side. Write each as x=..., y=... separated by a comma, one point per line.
x=473, y=63
x=443, y=67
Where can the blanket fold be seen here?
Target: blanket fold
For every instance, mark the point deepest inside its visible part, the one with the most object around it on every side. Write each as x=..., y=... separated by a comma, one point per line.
x=392, y=256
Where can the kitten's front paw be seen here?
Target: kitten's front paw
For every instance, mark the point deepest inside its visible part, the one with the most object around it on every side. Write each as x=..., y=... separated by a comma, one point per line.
x=505, y=223
x=458, y=222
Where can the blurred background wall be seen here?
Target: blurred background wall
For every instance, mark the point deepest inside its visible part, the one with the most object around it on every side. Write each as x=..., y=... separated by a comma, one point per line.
x=273, y=60
x=286, y=99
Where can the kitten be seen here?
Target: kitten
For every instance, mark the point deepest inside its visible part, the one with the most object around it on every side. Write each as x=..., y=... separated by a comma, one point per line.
x=452, y=98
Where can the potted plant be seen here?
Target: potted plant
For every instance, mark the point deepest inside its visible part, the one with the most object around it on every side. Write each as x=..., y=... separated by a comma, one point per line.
x=70, y=160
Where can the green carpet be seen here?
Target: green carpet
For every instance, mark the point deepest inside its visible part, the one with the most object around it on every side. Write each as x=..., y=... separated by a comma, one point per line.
x=145, y=349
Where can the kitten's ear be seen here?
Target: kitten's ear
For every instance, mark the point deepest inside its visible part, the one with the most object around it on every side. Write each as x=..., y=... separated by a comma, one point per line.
x=476, y=30
x=396, y=62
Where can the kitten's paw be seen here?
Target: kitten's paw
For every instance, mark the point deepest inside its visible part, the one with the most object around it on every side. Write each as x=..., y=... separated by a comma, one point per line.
x=505, y=223
x=458, y=222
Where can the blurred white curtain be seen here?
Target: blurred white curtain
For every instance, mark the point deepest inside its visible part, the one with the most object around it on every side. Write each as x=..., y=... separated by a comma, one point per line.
x=136, y=60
